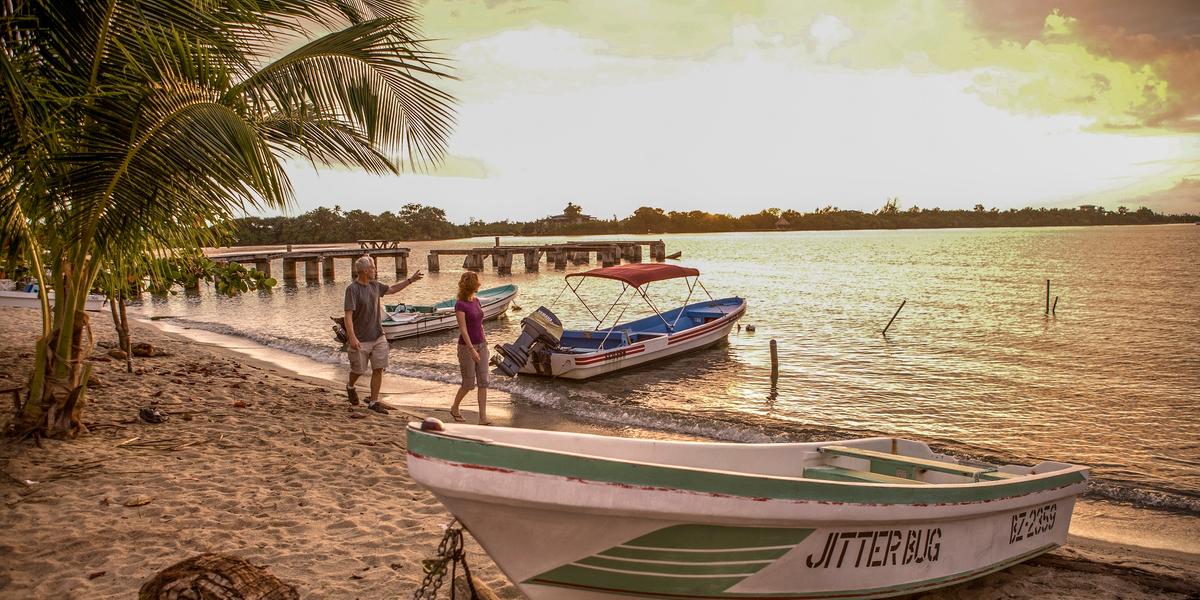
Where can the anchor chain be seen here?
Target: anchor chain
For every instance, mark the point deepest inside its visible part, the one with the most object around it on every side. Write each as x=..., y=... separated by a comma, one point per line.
x=451, y=552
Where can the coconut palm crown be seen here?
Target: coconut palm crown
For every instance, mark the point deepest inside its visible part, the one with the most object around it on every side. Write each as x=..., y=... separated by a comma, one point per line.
x=134, y=128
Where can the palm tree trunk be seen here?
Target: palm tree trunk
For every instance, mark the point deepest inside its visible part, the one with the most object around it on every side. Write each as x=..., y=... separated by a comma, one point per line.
x=58, y=384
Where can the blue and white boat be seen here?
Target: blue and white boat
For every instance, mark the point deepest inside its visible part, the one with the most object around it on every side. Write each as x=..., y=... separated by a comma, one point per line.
x=408, y=320
x=580, y=354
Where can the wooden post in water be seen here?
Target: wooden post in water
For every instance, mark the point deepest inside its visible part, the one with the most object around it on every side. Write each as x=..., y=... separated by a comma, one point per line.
x=902, y=303
x=1054, y=307
x=1047, y=297
x=774, y=361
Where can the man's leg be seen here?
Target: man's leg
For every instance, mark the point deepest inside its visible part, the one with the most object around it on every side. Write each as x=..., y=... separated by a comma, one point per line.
x=376, y=383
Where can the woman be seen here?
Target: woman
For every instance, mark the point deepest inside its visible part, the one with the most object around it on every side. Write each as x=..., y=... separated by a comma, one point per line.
x=472, y=347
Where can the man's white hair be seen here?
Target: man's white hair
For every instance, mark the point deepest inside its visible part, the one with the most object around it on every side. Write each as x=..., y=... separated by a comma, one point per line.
x=362, y=262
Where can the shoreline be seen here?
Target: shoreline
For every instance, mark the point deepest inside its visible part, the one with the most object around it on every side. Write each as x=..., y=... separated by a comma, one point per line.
x=270, y=463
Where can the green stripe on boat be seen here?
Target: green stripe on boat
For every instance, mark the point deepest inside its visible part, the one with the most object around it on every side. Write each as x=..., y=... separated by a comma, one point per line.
x=684, y=586
x=694, y=556
x=719, y=537
x=515, y=458
x=668, y=569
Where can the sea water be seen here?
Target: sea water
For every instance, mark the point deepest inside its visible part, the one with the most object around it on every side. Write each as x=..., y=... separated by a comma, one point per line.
x=972, y=364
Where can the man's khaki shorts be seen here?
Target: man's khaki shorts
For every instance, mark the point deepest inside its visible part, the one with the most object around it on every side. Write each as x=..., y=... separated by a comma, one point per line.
x=374, y=352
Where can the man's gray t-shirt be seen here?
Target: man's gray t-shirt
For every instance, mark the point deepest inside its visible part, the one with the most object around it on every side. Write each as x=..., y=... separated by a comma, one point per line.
x=363, y=300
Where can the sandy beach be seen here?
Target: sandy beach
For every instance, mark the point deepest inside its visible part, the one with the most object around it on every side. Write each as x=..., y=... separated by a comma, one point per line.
x=275, y=467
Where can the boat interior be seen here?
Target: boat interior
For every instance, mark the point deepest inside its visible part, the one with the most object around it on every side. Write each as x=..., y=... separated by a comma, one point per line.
x=485, y=296
x=672, y=321
x=887, y=461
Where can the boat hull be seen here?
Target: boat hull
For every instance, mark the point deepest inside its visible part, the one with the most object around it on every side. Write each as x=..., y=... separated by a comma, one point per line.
x=587, y=365
x=618, y=529
x=95, y=302
x=444, y=321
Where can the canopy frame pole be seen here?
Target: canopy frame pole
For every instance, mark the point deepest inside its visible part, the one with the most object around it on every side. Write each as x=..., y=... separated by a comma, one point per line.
x=575, y=290
x=617, y=320
x=710, y=297
x=646, y=298
x=691, y=288
x=560, y=293
x=599, y=323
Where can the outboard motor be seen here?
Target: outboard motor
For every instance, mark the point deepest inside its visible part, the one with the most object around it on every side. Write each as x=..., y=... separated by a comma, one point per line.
x=540, y=326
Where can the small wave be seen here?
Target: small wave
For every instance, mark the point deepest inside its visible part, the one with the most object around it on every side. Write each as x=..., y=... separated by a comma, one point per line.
x=1128, y=493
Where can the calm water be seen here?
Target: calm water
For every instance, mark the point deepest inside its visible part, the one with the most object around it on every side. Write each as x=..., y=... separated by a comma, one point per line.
x=971, y=364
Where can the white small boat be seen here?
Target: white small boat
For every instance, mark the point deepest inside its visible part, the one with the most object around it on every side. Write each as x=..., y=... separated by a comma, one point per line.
x=94, y=302
x=408, y=320
x=546, y=349
x=635, y=518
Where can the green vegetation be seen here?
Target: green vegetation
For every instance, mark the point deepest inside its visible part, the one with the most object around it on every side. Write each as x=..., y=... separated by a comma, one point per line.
x=417, y=222
x=142, y=128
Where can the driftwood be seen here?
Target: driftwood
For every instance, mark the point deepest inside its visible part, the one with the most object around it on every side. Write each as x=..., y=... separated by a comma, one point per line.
x=216, y=577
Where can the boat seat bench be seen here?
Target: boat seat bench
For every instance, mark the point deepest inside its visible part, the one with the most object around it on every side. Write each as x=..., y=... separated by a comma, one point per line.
x=839, y=474
x=886, y=463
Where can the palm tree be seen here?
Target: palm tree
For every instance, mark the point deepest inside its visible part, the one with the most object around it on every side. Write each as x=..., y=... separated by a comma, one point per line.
x=137, y=127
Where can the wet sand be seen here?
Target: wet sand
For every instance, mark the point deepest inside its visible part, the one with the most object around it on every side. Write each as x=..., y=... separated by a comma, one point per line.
x=273, y=465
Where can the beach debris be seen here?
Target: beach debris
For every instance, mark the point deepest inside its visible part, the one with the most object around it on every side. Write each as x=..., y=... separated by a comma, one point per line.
x=146, y=349
x=482, y=591
x=152, y=414
x=97, y=574
x=117, y=354
x=212, y=576
x=139, y=500
x=239, y=404
x=100, y=358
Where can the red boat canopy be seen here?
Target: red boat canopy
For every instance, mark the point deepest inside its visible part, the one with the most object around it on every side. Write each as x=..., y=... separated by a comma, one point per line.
x=639, y=274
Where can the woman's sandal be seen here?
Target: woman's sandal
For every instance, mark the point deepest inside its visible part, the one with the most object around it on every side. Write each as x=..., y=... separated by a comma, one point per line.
x=458, y=417
x=486, y=422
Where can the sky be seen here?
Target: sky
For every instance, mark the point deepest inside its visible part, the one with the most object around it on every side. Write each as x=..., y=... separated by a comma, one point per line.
x=738, y=106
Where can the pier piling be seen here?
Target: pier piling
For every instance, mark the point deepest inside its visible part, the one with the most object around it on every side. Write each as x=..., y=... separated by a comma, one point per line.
x=774, y=362
x=1047, y=297
x=1054, y=307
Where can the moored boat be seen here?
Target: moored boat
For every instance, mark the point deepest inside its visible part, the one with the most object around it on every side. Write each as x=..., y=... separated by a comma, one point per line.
x=635, y=518
x=546, y=349
x=409, y=320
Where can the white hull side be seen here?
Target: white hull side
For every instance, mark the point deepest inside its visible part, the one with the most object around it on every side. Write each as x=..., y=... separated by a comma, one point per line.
x=585, y=366
x=852, y=550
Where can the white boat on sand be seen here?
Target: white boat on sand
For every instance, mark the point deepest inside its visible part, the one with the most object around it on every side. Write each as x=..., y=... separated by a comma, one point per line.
x=634, y=518
x=94, y=302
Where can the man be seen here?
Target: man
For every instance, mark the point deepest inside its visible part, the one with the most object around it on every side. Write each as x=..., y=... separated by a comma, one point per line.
x=366, y=343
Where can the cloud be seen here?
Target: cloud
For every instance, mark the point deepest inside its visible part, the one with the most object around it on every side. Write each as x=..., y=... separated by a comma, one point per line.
x=1184, y=197
x=1157, y=42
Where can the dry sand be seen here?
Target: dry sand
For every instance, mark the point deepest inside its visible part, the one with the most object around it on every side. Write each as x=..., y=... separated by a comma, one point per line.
x=278, y=469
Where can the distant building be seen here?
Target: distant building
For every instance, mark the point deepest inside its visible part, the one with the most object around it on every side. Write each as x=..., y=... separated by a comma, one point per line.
x=782, y=223
x=569, y=220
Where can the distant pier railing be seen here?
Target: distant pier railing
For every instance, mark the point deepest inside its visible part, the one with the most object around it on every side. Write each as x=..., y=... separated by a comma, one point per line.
x=608, y=253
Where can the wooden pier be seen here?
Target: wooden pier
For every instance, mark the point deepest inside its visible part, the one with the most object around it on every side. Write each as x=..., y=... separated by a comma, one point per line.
x=319, y=262
x=608, y=253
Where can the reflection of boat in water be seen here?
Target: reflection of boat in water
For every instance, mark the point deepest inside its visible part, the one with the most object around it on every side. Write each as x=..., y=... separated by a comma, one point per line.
x=408, y=320
x=94, y=302
x=637, y=518
x=544, y=348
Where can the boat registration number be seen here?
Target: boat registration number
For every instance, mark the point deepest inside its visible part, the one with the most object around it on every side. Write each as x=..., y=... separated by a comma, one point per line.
x=1029, y=523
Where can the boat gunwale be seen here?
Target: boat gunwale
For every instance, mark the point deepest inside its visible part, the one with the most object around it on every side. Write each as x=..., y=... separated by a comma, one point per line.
x=492, y=301
x=925, y=493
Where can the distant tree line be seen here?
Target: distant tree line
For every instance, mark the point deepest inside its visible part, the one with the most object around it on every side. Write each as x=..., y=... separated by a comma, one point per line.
x=418, y=222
